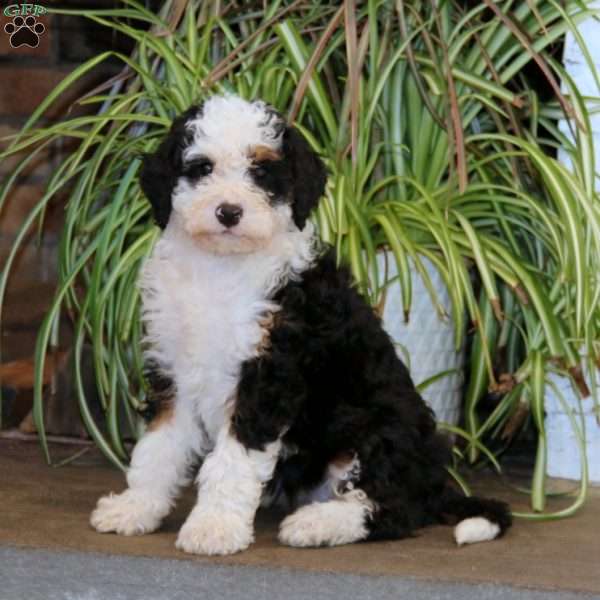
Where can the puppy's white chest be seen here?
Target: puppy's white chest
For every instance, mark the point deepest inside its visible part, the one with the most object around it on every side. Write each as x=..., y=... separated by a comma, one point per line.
x=202, y=317
x=215, y=327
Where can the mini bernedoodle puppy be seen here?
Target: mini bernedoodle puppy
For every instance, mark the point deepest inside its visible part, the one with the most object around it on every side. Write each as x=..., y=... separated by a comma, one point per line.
x=282, y=378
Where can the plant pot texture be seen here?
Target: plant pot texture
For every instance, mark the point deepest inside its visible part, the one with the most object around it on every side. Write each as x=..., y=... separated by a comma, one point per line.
x=563, y=459
x=426, y=343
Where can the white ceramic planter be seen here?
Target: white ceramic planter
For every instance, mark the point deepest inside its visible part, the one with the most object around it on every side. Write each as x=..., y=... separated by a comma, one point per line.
x=564, y=459
x=563, y=453
x=426, y=343
x=577, y=67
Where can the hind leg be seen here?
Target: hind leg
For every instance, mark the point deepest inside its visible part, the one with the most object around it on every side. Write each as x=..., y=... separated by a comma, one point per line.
x=384, y=490
x=338, y=511
x=340, y=521
x=347, y=517
x=332, y=512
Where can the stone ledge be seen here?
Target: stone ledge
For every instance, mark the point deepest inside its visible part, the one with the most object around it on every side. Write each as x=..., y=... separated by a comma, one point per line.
x=48, y=575
x=47, y=509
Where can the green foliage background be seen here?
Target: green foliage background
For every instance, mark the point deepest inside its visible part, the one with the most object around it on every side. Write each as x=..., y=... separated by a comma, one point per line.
x=438, y=146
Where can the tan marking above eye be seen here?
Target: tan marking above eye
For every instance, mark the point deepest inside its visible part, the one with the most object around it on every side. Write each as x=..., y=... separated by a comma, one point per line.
x=263, y=153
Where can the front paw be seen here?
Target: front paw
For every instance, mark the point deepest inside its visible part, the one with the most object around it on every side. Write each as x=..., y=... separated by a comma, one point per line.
x=214, y=533
x=126, y=514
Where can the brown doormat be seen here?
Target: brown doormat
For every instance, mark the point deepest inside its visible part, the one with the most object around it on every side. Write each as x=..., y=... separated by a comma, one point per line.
x=44, y=507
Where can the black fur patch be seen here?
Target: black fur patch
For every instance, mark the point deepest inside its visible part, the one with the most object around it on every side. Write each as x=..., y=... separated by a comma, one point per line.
x=308, y=175
x=161, y=390
x=331, y=380
x=275, y=178
x=299, y=177
x=161, y=169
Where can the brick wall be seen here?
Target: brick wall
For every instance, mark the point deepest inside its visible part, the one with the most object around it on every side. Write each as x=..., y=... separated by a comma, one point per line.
x=27, y=75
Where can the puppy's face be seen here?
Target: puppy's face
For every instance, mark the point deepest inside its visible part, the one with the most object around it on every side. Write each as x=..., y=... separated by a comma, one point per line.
x=233, y=175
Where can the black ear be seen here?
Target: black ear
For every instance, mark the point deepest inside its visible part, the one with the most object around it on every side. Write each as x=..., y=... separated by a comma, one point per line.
x=308, y=174
x=161, y=169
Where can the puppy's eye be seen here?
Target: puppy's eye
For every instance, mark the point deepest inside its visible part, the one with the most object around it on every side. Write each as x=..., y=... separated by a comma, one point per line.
x=198, y=168
x=259, y=171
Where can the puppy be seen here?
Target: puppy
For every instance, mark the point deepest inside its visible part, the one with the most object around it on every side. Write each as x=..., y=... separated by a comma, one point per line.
x=271, y=367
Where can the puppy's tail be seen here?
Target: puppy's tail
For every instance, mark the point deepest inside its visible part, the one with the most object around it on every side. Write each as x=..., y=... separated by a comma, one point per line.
x=478, y=519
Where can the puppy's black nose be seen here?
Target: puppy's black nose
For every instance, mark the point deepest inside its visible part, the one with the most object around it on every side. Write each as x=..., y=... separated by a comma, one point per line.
x=229, y=214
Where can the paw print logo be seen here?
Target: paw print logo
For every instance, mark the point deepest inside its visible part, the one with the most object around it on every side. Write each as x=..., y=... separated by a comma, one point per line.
x=24, y=32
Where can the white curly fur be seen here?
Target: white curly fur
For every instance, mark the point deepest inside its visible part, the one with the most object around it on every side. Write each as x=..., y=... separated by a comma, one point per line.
x=202, y=310
x=230, y=486
x=330, y=523
x=475, y=529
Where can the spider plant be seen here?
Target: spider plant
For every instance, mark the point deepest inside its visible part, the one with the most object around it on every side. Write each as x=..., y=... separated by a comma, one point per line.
x=444, y=159
x=437, y=147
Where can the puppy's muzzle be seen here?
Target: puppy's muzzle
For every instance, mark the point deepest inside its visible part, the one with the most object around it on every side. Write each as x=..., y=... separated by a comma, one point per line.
x=229, y=215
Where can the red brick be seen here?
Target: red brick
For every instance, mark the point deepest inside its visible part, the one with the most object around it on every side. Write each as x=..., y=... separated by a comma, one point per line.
x=23, y=89
x=28, y=298
x=34, y=265
x=21, y=201
x=17, y=206
x=40, y=165
x=43, y=50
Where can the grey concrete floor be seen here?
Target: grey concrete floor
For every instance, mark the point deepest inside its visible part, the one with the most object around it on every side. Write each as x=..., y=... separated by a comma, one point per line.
x=49, y=551
x=52, y=575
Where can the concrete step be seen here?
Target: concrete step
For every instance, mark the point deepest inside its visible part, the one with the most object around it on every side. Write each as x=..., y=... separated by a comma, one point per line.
x=48, y=550
x=53, y=575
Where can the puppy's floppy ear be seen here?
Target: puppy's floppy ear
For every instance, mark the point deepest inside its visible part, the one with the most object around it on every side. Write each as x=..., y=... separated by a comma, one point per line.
x=161, y=169
x=308, y=173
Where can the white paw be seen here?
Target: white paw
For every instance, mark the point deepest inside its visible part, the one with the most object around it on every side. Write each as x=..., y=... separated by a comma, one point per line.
x=127, y=514
x=214, y=533
x=325, y=524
